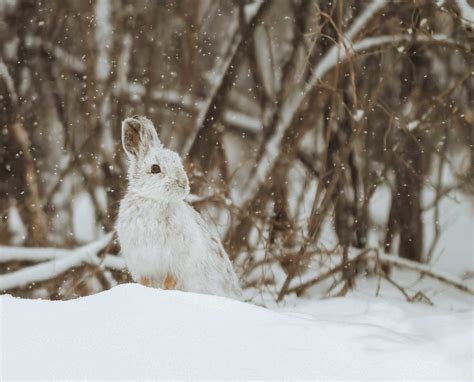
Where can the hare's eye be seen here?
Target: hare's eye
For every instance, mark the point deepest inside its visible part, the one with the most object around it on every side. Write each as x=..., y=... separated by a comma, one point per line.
x=155, y=169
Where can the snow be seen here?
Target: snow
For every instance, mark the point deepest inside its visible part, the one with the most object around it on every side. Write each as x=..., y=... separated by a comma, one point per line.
x=467, y=12
x=358, y=115
x=16, y=226
x=123, y=66
x=83, y=218
x=413, y=125
x=364, y=18
x=244, y=121
x=133, y=332
x=455, y=250
x=103, y=38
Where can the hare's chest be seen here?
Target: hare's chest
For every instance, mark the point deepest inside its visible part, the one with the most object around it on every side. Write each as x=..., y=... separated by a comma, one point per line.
x=156, y=241
x=169, y=229
x=157, y=233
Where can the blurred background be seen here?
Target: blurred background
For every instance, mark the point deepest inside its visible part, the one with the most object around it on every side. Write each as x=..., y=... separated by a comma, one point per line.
x=326, y=142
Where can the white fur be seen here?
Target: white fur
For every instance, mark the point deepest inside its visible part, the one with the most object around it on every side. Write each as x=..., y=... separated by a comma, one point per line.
x=159, y=233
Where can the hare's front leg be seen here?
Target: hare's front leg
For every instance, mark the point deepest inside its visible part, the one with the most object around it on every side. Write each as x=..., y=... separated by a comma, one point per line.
x=170, y=282
x=145, y=281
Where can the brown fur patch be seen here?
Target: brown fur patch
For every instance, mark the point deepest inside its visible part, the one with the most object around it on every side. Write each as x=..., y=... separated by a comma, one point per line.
x=131, y=137
x=144, y=281
x=170, y=282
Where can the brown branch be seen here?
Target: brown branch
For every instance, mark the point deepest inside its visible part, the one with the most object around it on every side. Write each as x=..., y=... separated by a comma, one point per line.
x=37, y=233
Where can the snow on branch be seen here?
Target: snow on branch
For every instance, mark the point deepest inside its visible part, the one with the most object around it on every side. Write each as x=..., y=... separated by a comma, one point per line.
x=31, y=254
x=467, y=12
x=364, y=18
x=60, y=260
x=114, y=262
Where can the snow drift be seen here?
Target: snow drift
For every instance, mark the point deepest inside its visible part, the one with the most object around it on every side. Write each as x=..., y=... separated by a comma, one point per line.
x=137, y=332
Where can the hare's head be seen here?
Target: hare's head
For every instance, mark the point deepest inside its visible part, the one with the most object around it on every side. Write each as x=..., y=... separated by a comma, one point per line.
x=154, y=171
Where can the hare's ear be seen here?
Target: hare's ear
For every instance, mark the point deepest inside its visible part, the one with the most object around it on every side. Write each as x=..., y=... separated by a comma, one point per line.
x=150, y=135
x=138, y=135
x=132, y=132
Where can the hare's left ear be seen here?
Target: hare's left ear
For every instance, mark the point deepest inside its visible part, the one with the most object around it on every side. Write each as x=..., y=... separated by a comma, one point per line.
x=131, y=136
x=138, y=135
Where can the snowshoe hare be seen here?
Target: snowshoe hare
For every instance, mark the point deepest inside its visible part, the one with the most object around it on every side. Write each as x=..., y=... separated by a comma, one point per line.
x=165, y=242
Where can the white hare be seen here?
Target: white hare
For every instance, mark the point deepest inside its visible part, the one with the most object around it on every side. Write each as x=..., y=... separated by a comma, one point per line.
x=165, y=242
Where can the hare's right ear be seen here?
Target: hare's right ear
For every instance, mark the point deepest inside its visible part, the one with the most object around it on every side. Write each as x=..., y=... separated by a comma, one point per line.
x=131, y=136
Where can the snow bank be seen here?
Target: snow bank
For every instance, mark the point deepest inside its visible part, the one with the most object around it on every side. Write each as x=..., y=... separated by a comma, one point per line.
x=136, y=332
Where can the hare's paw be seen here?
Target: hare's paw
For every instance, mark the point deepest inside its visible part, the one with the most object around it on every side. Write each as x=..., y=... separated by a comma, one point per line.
x=170, y=282
x=145, y=281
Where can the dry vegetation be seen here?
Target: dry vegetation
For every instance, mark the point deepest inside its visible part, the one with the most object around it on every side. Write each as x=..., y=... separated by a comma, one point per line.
x=291, y=114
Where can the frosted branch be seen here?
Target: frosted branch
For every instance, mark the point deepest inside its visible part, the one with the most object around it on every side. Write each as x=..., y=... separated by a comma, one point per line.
x=8, y=254
x=60, y=261
x=467, y=12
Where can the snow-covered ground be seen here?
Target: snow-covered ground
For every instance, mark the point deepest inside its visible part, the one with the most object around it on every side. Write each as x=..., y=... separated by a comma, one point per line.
x=133, y=332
